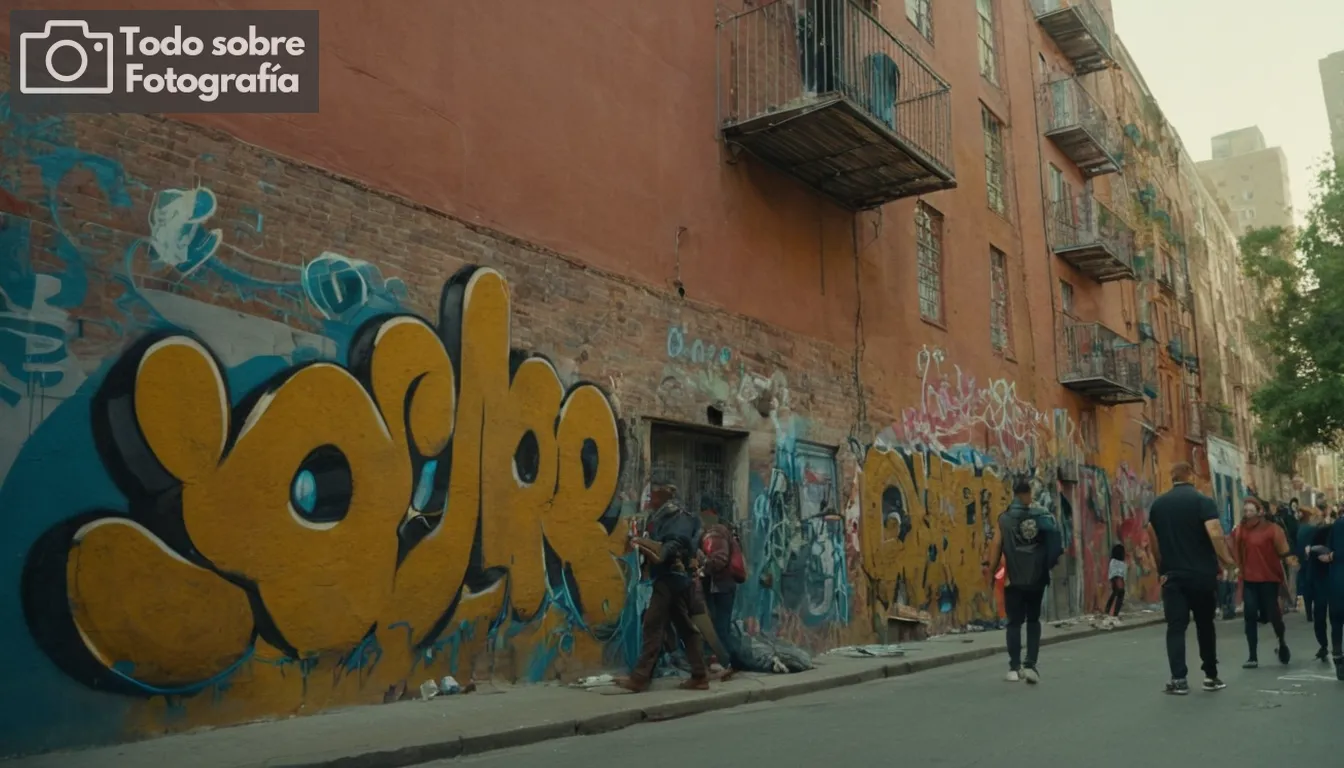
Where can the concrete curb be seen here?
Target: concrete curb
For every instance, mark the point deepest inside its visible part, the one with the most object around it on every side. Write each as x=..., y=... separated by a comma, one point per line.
x=614, y=721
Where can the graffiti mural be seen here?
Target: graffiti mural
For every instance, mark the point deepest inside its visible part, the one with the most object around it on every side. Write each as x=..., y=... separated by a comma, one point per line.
x=293, y=492
x=927, y=519
x=334, y=513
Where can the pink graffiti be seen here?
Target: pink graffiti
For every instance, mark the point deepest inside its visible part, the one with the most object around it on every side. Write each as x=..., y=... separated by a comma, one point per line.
x=953, y=409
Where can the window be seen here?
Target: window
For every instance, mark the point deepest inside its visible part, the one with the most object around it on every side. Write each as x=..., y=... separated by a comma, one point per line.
x=920, y=14
x=696, y=462
x=994, y=167
x=999, y=327
x=1061, y=198
x=929, y=245
x=988, y=60
x=1057, y=185
x=1042, y=66
x=1066, y=296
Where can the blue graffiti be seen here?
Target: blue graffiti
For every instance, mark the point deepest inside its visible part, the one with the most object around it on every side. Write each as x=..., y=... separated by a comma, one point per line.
x=177, y=236
x=795, y=564
x=698, y=351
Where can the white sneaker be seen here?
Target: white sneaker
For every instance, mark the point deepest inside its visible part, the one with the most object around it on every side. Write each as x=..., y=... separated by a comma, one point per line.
x=1013, y=676
x=1031, y=675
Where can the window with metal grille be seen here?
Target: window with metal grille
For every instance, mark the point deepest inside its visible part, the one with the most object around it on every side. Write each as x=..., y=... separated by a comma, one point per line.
x=989, y=64
x=920, y=14
x=994, y=168
x=697, y=463
x=929, y=248
x=999, y=327
x=1066, y=296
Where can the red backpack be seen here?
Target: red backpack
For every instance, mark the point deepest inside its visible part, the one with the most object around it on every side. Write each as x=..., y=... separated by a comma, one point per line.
x=737, y=563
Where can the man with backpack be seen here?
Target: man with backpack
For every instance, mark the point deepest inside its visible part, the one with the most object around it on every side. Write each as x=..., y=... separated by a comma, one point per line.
x=672, y=550
x=725, y=568
x=1029, y=542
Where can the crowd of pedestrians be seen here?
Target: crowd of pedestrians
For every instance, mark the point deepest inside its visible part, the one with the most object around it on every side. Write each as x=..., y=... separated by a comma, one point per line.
x=1272, y=558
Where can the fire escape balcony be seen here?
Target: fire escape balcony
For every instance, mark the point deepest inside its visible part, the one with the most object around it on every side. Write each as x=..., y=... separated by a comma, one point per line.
x=1091, y=237
x=1082, y=130
x=821, y=91
x=1101, y=364
x=1079, y=30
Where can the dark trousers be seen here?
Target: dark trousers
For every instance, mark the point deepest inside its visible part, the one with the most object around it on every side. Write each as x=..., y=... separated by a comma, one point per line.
x=1180, y=601
x=1117, y=599
x=1329, y=613
x=1262, y=605
x=670, y=606
x=1023, y=604
x=721, y=616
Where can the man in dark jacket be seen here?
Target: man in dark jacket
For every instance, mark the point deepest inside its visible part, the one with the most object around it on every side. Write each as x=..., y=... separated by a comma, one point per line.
x=1029, y=544
x=672, y=549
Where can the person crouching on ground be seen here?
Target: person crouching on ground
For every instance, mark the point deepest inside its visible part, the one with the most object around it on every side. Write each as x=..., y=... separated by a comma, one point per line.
x=671, y=548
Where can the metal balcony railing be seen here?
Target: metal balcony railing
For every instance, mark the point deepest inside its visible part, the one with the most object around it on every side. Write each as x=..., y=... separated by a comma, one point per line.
x=1101, y=364
x=822, y=91
x=1077, y=124
x=1080, y=31
x=1091, y=237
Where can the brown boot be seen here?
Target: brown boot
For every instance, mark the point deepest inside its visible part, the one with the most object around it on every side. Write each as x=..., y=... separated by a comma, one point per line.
x=695, y=684
x=632, y=684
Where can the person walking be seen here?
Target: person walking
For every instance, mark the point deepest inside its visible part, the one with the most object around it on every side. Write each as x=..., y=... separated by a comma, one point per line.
x=1261, y=548
x=1313, y=530
x=1313, y=579
x=1116, y=573
x=724, y=570
x=1029, y=543
x=1330, y=589
x=671, y=549
x=1291, y=522
x=1188, y=544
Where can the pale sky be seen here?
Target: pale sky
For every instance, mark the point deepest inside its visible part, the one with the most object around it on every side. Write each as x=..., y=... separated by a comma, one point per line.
x=1219, y=65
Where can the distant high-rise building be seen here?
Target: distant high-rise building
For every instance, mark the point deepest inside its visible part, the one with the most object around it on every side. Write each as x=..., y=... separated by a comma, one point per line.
x=1250, y=178
x=1332, y=84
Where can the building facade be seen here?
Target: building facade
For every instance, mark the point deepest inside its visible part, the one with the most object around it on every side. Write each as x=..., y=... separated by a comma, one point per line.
x=1332, y=87
x=842, y=270
x=1251, y=178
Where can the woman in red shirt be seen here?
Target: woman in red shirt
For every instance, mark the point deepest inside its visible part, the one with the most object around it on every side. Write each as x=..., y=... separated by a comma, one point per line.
x=1260, y=547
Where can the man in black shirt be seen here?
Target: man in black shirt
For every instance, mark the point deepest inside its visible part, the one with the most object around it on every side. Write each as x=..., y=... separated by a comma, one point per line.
x=1188, y=544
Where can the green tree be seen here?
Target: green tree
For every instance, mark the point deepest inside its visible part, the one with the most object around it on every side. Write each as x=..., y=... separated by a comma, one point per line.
x=1301, y=276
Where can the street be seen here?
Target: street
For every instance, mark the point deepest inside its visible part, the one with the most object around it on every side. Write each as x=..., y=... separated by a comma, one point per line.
x=1100, y=704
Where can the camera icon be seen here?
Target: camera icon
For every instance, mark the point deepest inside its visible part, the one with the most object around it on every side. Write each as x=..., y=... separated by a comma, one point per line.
x=65, y=58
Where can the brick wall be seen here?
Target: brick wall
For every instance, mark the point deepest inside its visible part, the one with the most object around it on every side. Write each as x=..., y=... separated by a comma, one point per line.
x=120, y=230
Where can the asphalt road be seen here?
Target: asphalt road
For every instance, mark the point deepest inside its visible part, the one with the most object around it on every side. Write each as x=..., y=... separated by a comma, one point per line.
x=1099, y=705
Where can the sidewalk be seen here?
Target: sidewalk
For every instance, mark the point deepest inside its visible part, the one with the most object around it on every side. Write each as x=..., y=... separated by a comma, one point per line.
x=496, y=717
